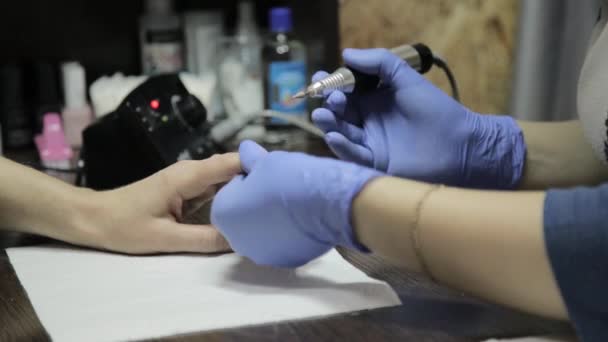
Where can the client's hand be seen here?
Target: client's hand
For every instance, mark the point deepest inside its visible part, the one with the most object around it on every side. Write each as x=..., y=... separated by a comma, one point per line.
x=146, y=217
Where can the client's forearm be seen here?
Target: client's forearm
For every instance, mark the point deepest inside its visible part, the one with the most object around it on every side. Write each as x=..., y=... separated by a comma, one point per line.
x=33, y=202
x=489, y=244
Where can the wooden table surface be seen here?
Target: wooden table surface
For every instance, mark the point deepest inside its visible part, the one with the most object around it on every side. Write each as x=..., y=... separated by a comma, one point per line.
x=429, y=312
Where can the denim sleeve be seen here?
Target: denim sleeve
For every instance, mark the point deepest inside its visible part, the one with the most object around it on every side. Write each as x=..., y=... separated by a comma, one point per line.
x=576, y=236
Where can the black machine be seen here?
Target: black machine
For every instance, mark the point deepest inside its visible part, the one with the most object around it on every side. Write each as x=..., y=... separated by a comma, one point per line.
x=157, y=124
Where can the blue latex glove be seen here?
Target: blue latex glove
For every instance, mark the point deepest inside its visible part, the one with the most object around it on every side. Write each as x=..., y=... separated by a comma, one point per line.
x=290, y=208
x=410, y=128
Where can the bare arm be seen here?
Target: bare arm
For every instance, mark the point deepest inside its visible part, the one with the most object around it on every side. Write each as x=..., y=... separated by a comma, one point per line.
x=489, y=244
x=559, y=156
x=141, y=218
x=35, y=203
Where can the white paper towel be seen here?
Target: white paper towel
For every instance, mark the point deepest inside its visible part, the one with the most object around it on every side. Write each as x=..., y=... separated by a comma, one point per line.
x=538, y=339
x=85, y=295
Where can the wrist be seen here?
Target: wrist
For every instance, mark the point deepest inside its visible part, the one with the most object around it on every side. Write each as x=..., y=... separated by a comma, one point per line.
x=79, y=224
x=354, y=179
x=52, y=210
x=362, y=213
x=385, y=215
x=498, y=160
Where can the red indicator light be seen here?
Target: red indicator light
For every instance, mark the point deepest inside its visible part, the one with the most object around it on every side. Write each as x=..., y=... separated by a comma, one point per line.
x=155, y=104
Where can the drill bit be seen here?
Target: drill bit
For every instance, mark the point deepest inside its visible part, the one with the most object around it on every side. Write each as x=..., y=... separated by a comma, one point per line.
x=299, y=95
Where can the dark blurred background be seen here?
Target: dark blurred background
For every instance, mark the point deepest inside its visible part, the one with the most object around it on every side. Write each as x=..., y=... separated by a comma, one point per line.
x=103, y=35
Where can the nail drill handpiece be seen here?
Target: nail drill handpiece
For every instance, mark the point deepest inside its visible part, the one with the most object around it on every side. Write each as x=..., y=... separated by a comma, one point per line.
x=345, y=79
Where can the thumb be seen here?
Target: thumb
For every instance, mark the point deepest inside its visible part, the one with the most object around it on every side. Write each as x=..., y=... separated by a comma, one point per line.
x=389, y=67
x=250, y=152
x=176, y=237
x=348, y=150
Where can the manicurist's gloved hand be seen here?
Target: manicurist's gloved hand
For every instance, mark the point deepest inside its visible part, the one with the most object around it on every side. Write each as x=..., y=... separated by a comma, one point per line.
x=289, y=208
x=410, y=128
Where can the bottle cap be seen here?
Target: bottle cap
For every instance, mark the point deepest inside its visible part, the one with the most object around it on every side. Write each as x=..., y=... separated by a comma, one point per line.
x=246, y=18
x=74, y=85
x=280, y=20
x=159, y=6
x=51, y=144
x=246, y=11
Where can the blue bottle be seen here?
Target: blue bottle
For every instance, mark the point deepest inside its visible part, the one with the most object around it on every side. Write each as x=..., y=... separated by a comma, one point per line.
x=284, y=60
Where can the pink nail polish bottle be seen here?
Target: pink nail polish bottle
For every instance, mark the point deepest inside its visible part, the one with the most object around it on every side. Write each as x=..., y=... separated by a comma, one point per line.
x=53, y=148
x=77, y=113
